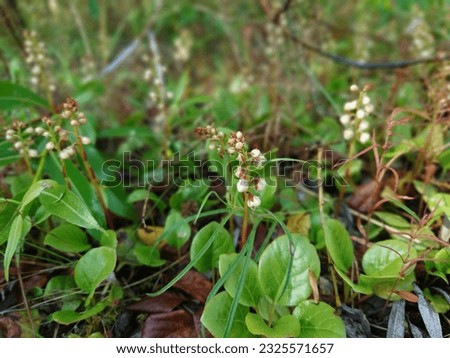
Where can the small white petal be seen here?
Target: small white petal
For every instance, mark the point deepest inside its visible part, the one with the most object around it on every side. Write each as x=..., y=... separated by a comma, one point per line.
x=255, y=153
x=364, y=137
x=50, y=146
x=354, y=88
x=239, y=135
x=242, y=186
x=360, y=114
x=254, y=202
x=260, y=184
x=344, y=119
x=348, y=134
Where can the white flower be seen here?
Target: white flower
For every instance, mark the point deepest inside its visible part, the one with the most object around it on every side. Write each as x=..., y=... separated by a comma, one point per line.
x=255, y=153
x=239, y=135
x=33, y=153
x=254, y=202
x=85, y=140
x=36, y=70
x=231, y=150
x=169, y=95
x=147, y=74
x=39, y=130
x=364, y=137
x=369, y=108
x=365, y=100
x=350, y=106
x=10, y=132
x=354, y=88
x=63, y=155
x=29, y=130
x=239, y=145
x=348, y=134
x=242, y=185
x=18, y=145
x=70, y=151
x=239, y=172
x=360, y=114
x=50, y=146
x=260, y=184
x=363, y=126
x=212, y=146
x=74, y=123
x=344, y=119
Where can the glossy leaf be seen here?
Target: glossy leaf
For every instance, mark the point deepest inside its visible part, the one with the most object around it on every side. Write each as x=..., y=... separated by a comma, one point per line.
x=251, y=292
x=222, y=244
x=339, y=244
x=318, y=321
x=386, y=287
x=69, y=316
x=273, y=270
x=442, y=260
x=148, y=255
x=67, y=238
x=215, y=316
x=178, y=231
x=285, y=327
x=385, y=258
x=64, y=286
x=94, y=267
x=63, y=203
x=19, y=229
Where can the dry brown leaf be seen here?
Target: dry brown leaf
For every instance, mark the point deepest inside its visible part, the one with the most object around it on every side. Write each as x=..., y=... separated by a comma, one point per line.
x=9, y=327
x=165, y=302
x=366, y=196
x=196, y=285
x=176, y=324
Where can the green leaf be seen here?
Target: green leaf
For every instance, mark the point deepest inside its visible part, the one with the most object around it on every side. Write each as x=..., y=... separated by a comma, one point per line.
x=7, y=212
x=35, y=190
x=442, y=260
x=359, y=288
x=394, y=220
x=318, y=321
x=63, y=203
x=215, y=316
x=251, y=292
x=339, y=244
x=274, y=269
x=19, y=229
x=148, y=255
x=64, y=287
x=109, y=239
x=69, y=317
x=178, y=231
x=94, y=267
x=285, y=327
x=67, y=238
x=14, y=96
x=385, y=258
x=222, y=244
x=385, y=287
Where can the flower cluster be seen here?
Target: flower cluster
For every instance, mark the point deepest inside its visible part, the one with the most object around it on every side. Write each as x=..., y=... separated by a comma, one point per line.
x=22, y=138
x=242, y=82
x=275, y=36
x=354, y=119
x=422, y=37
x=182, y=47
x=38, y=62
x=249, y=183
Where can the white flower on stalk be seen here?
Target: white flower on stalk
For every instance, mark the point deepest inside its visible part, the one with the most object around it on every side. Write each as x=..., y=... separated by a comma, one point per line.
x=85, y=140
x=350, y=106
x=348, y=134
x=33, y=153
x=242, y=186
x=255, y=153
x=363, y=126
x=354, y=88
x=254, y=202
x=50, y=146
x=364, y=137
x=344, y=119
x=260, y=184
x=360, y=114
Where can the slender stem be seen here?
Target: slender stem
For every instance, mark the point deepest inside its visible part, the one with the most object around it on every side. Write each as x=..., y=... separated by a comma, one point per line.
x=244, y=231
x=92, y=178
x=271, y=314
x=24, y=295
x=40, y=166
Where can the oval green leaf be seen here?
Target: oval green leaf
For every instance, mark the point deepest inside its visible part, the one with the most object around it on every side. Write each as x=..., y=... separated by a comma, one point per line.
x=273, y=270
x=13, y=96
x=215, y=317
x=63, y=203
x=339, y=244
x=95, y=266
x=251, y=292
x=67, y=238
x=222, y=244
x=318, y=321
x=178, y=231
x=285, y=327
x=385, y=258
x=69, y=316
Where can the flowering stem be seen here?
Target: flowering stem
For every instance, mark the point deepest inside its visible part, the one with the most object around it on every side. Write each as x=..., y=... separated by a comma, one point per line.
x=245, y=221
x=92, y=178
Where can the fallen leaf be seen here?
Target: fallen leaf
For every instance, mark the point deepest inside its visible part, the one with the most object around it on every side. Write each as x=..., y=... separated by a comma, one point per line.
x=163, y=303
x=196, y=285
x=365, y=196
x=9, y=327
x=175, y=324
x=408, y=296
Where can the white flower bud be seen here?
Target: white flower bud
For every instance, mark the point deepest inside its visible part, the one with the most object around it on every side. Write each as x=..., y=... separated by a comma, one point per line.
x=254, y=202
x=365, y=100
x=10, y=132
x=360, y=114
x=350, y=106
x=344, y=119
x=231, y=150
x=29, y=130
x=147, y=74
x=364, y=137
x=369, y=108
x=74, y=123
x=221, y=134
x=70, y=151
x=169, y=95
x=85, y=140
x=240, y=157
x=50, y=146
x=18, y=145
x=239, y=172
x=354, y=88
x=212, y=146
x=348, y=134
x=255, y=153
x=63, y=155
x=239, y=135
x=39, y=130
x=260, y=184
x=46, y=134
x=33, y=153
x=242, y=186
x=51, y=87
x=239, y=145
x=8, y=137
x=36, y=70
x=363, y=126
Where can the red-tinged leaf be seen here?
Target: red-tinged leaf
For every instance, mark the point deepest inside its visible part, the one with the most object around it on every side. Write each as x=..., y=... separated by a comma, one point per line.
x=176, y=324
x=408, y=296
x=9, y=327
x=164, y=303
x=196, y=285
